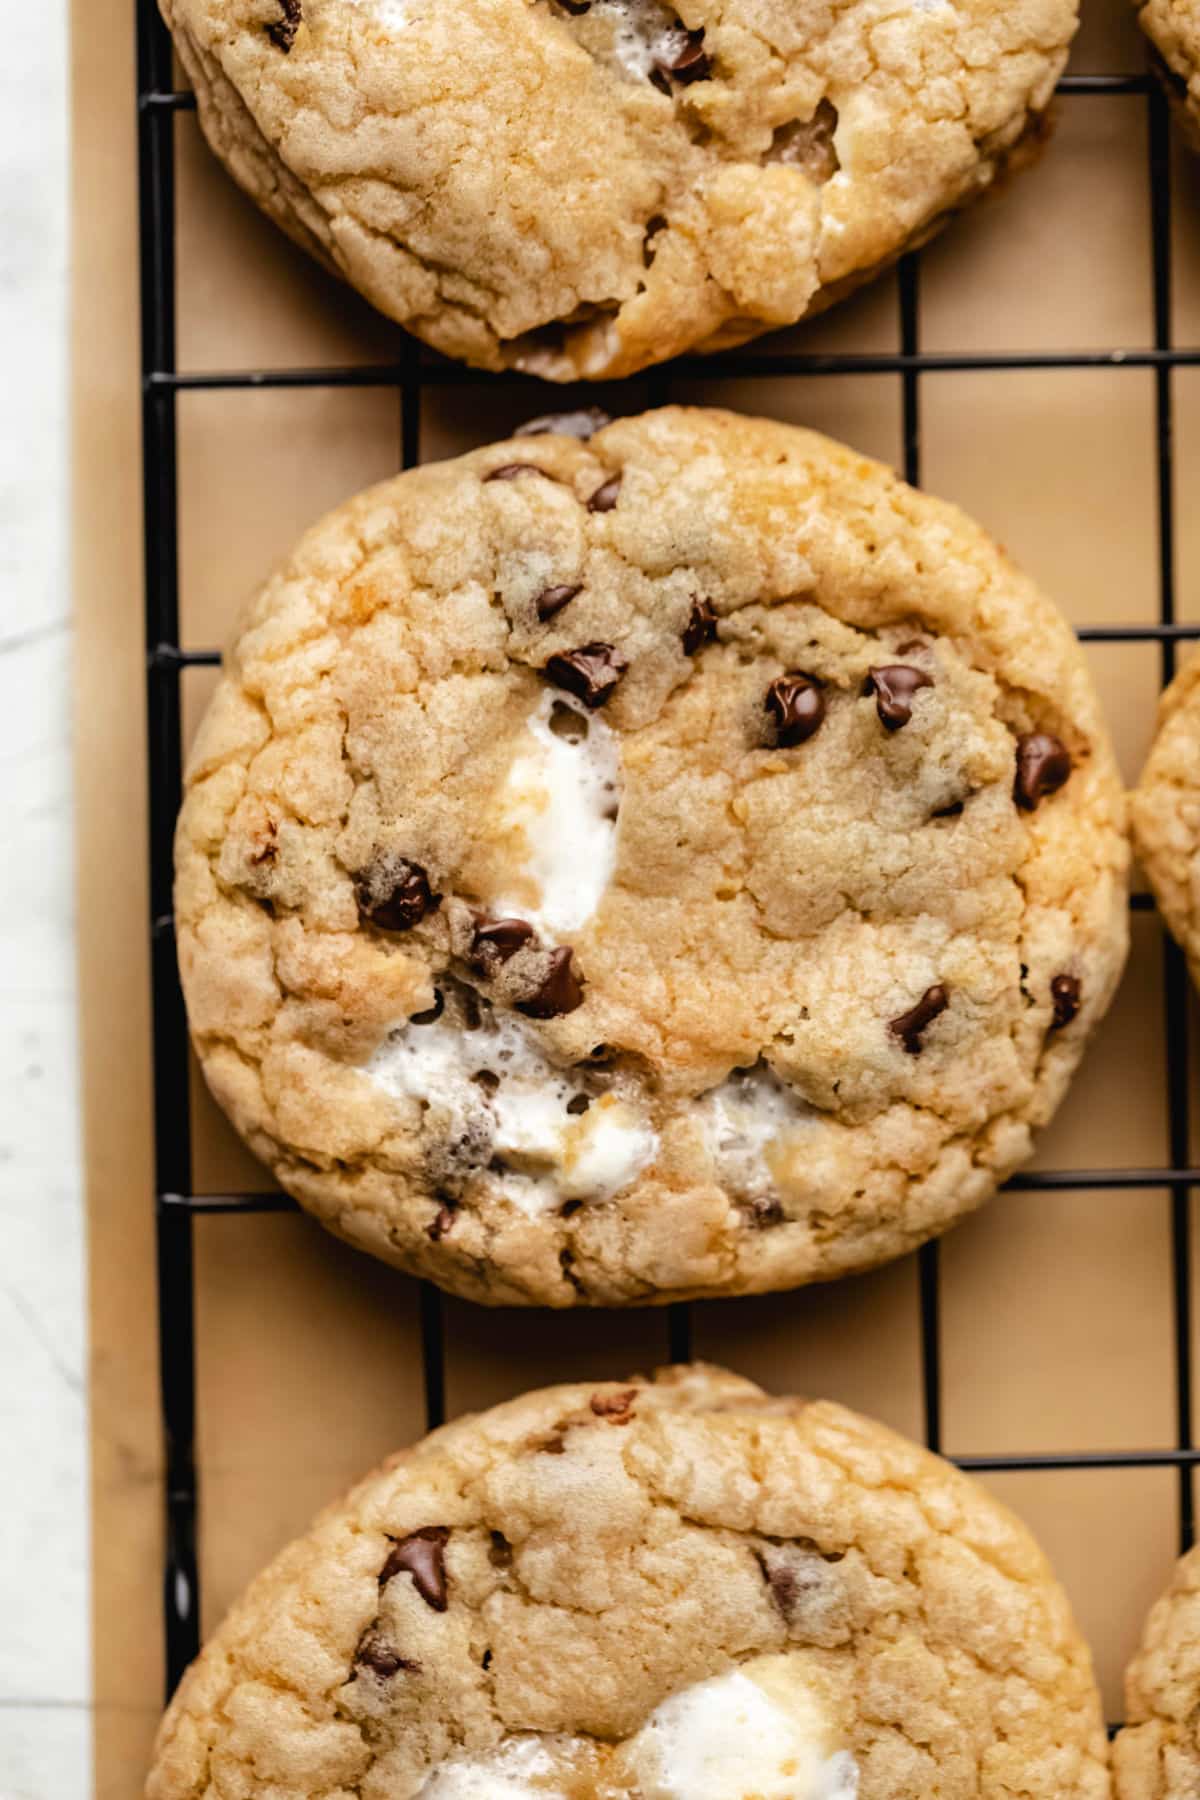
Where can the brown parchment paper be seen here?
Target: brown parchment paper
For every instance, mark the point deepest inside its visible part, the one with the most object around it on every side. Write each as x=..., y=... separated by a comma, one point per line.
x=1056, y=1307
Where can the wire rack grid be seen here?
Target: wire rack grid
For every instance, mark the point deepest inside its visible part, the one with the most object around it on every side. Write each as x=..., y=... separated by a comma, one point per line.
x=167, y=658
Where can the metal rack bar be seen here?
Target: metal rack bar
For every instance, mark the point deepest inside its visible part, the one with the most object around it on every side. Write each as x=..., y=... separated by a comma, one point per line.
x=929, y=1255
x=732, y=365
x=1174, y=972
x=172, y=1110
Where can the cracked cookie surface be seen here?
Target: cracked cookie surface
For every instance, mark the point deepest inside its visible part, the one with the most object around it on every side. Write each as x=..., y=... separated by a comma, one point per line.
x=680, y=1590
x=579, y=188
x=701, y=893
x=1157, y=1755
x=1165, y=812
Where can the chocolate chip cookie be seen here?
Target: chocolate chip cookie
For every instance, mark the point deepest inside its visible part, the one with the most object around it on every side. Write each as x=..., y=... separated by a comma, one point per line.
x=668, y=1590
x=1165, y=811
x=1157, y=1755
x=682, y=860
x=583, y=187
x=1173, y=27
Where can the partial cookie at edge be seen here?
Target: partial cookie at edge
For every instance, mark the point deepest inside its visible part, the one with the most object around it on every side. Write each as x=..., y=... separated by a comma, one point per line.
x=565, y=1563
x=1157, y=1755
x=572, y=196
x=1165, y=811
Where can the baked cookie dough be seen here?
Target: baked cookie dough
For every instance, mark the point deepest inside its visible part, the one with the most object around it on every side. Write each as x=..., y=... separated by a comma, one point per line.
x=578, y=188
x=1157, y=1755
x=679, y=861
x=676, y=1590
x=1173, y=27
x=1165, y=811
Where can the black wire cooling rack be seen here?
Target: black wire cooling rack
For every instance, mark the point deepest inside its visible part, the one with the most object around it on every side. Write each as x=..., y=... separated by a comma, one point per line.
x=167, y=659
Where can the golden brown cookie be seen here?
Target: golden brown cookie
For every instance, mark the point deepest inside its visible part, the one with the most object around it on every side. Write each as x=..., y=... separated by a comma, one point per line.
x=681, y=861
x=1157, y=1755
x=1173, y=27
x=1165, y=811
x=582, y=187
x=677, y=1590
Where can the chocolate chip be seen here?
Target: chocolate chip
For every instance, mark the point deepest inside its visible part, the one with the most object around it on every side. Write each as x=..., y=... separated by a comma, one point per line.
x=578, y=1104
x=797, y=706
x=909, y=1026
x=486, y=1663
x=496, y=940
x=591, y=673
x=381, y=1658
x=700, y=629
x=575, y=7
x=1066, y=991
x=551, y=600
x=393, y=893
x=283, y=32
x=582, y=424
x=784, y=1583
x=423, y=1556
x=431, y=1013
x=1043, y=765
x=605, y=496
x=895, y=686
x=800, y=1584
x=687, y=59
x=566, y=1262
x=500, y=1551
x=439, y=1226
x=487, y=1079
x=653, y=226
x=568, y=723
x=617, y=1407
x=560, y=992
x=510, y=472
x=809, y=144
x=266, y=850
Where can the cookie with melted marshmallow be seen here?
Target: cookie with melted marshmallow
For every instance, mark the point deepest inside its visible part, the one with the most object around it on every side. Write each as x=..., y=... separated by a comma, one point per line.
x=579, y=188
x=703, y=893
x=666, y=1590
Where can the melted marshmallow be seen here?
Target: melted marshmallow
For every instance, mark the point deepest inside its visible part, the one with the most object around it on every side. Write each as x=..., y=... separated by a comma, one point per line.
x=734, y=1738
x=644, y=33
x=757, y=1733
x=562, y=795
x=518, y=1768
x=746, y=1122
x=552, y=1154
x=389, y=15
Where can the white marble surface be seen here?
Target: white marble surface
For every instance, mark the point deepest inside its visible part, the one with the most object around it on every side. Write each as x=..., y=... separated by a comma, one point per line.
x=44, y=1638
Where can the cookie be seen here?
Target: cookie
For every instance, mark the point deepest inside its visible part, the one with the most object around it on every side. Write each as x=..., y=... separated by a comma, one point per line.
x=1165, y=811
x=578, y=188
x=680, y=861
x=1173, y=27
x=1157, y=1755
x=675, y=1590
